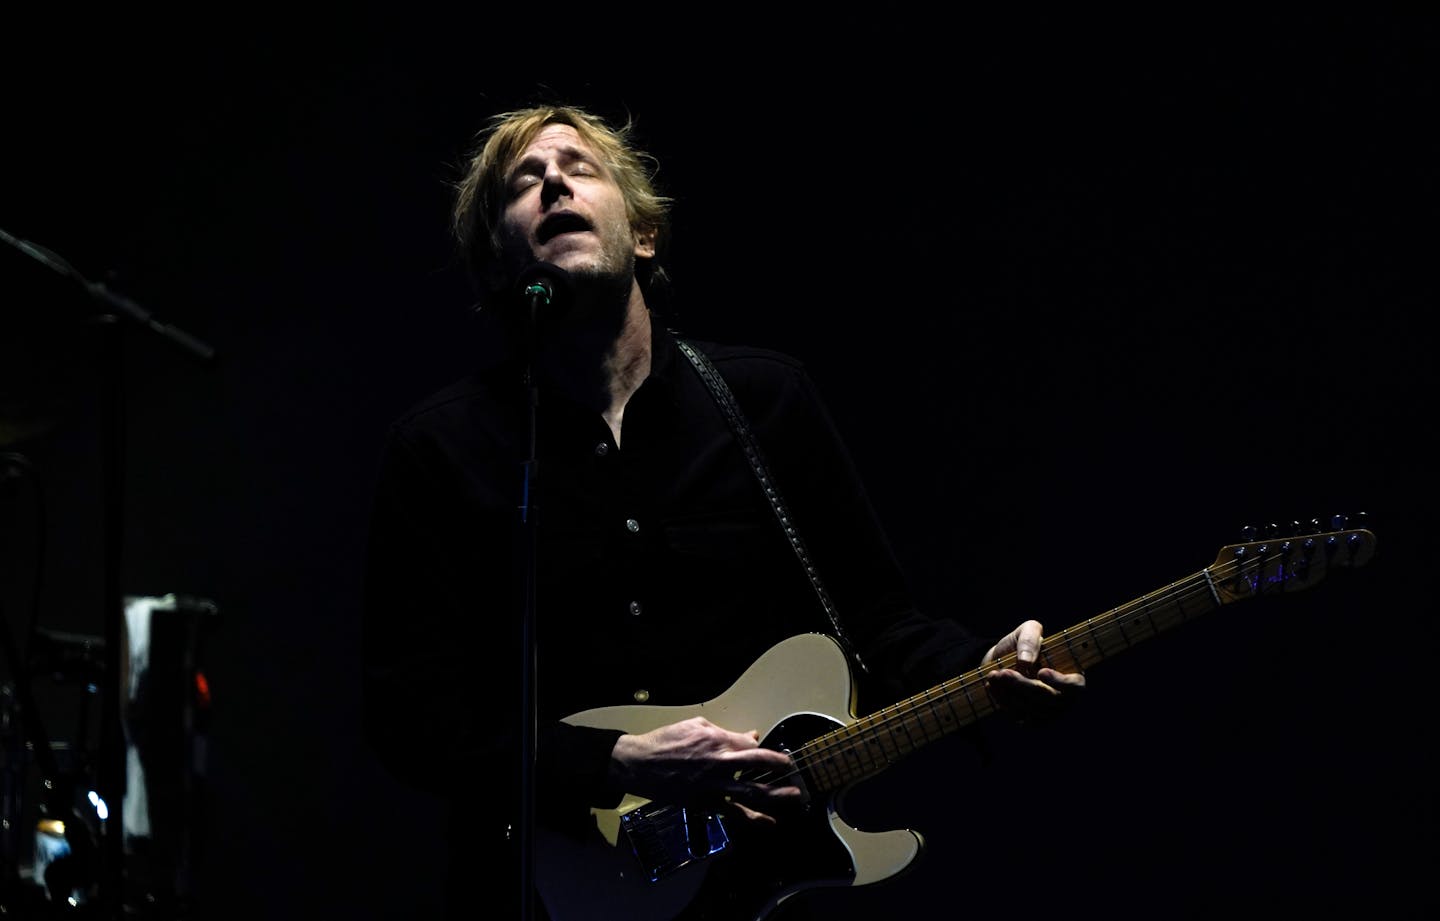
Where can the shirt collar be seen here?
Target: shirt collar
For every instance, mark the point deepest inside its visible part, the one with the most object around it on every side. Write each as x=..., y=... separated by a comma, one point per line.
x=666, y=366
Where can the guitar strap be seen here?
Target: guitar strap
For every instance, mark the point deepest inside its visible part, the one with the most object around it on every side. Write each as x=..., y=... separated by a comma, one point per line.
x=726, y=401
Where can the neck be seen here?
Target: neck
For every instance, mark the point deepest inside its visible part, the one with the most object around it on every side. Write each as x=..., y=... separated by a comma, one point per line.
x=601, y=364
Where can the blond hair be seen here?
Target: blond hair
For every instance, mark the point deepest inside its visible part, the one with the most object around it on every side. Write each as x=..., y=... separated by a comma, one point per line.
x=480, y=195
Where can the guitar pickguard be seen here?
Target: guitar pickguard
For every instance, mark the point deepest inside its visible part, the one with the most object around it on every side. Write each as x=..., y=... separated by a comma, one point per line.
x=766, y=864
x=597, y=875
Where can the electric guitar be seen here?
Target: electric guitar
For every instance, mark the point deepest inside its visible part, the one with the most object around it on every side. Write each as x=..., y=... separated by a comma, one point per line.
x=653, y=861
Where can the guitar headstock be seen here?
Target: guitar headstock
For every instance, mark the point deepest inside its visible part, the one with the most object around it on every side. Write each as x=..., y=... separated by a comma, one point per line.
x=1275, y=564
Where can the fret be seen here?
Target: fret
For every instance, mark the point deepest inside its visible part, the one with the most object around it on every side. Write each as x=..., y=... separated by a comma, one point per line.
x=944, y=717
x=1119, y=622
x=969, y=701
x=1150, y=619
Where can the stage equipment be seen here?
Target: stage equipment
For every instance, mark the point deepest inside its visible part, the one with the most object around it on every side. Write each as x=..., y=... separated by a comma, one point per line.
x=111, y=313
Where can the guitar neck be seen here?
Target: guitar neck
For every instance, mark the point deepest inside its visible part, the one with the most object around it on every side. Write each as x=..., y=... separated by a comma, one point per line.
x=1089, y=643
x=868, y=745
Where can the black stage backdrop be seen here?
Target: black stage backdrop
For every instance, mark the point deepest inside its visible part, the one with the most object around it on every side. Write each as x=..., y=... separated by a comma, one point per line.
x=1087, y=295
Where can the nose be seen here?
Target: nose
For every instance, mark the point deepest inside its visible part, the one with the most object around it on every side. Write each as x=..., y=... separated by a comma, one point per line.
x=553, y=184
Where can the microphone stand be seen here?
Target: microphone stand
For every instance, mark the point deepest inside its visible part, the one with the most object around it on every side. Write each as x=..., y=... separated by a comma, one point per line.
x=536, y=296
x=112, y=762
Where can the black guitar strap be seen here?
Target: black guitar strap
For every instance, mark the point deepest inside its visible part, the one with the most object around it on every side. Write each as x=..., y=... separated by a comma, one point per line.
x=726, y=401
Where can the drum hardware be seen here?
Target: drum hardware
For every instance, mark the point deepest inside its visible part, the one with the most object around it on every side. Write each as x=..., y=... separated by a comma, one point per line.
x=111, y=313
x=53, y=821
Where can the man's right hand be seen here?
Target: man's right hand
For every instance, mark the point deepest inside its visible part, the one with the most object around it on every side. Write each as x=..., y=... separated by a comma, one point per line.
x=695, y=761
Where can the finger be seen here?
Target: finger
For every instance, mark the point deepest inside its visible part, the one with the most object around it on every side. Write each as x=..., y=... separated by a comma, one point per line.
x=1061, y=680
x=1027, y=642
x=741, y=741
x=749, y=815
x=764, y=796
x=748, y=743
x=757, y=791
x=1009, y=682
x=767, y=758
x=1031, y=693
x=1012, y=680
x=1013, y=690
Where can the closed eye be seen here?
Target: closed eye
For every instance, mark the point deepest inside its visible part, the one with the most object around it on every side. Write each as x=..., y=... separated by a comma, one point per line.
x=522, y=180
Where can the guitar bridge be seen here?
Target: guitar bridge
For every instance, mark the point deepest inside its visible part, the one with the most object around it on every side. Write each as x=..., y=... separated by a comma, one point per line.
x=665, y=838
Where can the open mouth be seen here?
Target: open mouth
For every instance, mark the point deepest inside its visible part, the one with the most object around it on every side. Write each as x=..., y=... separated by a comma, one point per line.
x=563, y=222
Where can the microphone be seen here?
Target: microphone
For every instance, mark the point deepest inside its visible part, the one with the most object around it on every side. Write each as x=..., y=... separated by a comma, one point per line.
x=544, y=285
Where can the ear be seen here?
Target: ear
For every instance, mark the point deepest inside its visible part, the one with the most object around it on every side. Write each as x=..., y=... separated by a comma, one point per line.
x=645, y=242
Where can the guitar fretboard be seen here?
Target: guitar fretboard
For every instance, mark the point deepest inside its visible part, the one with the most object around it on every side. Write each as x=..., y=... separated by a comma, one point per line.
x=870, y=744
x=866, y=746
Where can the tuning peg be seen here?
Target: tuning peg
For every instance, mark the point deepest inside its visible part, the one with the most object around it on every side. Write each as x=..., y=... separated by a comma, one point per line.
x=1249, y=533
x=1315, y=526
x=1360, y=520
x=1272, y=530
x=1337, y=522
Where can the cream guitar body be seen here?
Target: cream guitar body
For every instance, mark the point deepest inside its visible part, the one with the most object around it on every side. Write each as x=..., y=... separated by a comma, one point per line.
x=797, y=690
x=650, y=861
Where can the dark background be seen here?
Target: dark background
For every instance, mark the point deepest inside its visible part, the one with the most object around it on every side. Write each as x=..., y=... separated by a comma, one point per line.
x=1086, y=295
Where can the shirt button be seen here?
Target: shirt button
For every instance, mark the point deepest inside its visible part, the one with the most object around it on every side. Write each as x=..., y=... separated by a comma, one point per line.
x=635, y=608
x=641, y=696
x=632, y=525
x=602, y=449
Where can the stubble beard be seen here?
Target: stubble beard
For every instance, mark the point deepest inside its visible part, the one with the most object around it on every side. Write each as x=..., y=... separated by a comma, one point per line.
x=602, y=280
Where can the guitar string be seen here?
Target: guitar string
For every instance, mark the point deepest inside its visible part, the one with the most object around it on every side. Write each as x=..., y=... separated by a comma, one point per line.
x=815, y=752
x=818, y=751
x=914, y=710
x=897, y=718
x=891, y=720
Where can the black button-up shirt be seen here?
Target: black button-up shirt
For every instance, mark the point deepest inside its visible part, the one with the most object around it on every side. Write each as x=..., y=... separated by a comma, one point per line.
x=662, y=572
